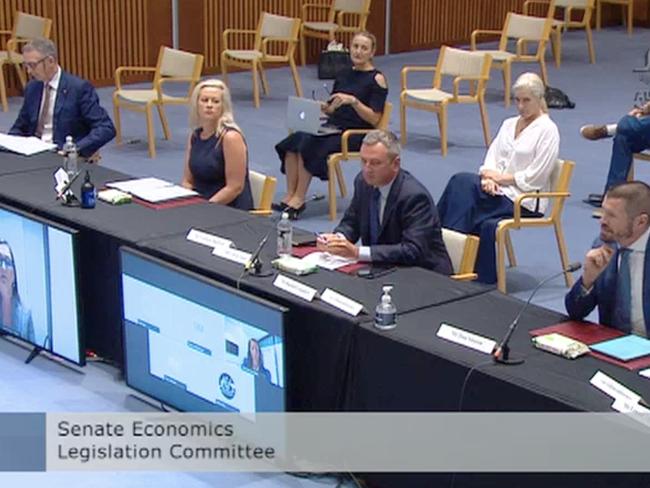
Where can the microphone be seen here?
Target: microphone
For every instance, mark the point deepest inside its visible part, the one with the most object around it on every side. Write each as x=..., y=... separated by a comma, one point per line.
x=501, y=352
x=254, y=262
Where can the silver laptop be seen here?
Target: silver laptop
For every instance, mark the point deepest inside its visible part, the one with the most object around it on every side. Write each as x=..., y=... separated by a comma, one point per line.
x=304, y=115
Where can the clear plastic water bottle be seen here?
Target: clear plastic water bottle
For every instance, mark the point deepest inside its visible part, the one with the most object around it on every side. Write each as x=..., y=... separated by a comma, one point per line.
x=70, y=153
x=386, y=312
x=285, y=236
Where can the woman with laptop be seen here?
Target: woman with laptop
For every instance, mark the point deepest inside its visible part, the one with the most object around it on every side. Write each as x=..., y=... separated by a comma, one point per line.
x=357, y=102
x=216, y=158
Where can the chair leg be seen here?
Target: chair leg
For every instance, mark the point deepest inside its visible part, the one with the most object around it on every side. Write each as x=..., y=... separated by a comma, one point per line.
x=630, y=173
x=590, y=45
x=556, y=44
x=501, y=264
x=256, y=87
x=150, y=134
x=484, y=121
x=512, y=260
x=163, y=122
x=303, y=49
x=564, y=255
x=296, y=77
x=542, y=68
x=598, y=14
x=224, y=68
x=506, y=81
x=341, y=179
x=117, y=121
x=630, y=17
x=442, y=123
x=3, y=91
x=331, y=189
x=402, y=123
x=265, y=82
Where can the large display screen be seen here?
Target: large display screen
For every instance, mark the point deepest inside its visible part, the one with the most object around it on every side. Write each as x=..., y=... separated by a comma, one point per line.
x=198, y=345
x=38, y=284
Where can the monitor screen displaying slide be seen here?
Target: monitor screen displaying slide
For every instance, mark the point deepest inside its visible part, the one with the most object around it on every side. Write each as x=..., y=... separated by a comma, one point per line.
x=38, y=283
x=199, y=345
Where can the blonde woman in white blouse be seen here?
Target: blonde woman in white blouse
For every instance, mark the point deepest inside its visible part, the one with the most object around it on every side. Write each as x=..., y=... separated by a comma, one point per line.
x=519, y=160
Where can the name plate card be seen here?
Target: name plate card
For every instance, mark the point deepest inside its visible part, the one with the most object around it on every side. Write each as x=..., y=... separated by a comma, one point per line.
x=341, y=302
x=295, y=287
x=613, y=388
x=206, y=239
x=467, y=339
x=234, y=255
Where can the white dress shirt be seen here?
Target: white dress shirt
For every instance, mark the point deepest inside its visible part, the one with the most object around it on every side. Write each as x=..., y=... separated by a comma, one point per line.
x=48, y=127
x=530, y=158
x=637, y=266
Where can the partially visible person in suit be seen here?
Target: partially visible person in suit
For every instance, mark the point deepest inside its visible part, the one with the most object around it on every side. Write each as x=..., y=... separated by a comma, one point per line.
x=58, y=104
x=254, y=360
x=216, y=158
x=520, y=160
x=391, y=212
x=616, y=272
x=16, y=318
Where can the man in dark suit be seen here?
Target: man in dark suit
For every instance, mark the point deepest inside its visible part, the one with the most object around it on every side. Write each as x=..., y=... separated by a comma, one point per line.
x=58, y=104
x=616, y=275
x=391, y=212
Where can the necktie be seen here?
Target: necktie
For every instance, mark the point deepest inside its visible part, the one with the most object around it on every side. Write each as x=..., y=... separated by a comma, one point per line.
x=374, y=216
x=45, y=109
x=623, y=307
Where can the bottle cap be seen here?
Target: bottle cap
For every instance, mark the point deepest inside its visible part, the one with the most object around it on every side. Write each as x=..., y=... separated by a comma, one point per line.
x=285, y=215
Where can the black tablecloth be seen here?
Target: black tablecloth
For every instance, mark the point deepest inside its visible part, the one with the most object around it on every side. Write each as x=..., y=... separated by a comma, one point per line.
x=14, y=163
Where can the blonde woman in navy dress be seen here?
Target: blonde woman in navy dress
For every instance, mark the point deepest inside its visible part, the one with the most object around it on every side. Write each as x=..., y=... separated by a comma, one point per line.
x=216, y=158
x=357, y=102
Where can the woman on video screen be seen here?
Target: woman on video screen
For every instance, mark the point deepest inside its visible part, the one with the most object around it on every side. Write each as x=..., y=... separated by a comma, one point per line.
x=16, y=319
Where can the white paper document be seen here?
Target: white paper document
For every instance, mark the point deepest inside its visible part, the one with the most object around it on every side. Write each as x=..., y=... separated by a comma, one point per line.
x=152, y=190
x=327, y=261
x=25, y=145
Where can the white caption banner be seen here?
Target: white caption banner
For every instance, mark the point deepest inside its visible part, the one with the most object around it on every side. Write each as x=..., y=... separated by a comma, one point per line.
x=341, y=302
x=233, y=255
x=467, y=339
x=295, y=287
x=206, y=239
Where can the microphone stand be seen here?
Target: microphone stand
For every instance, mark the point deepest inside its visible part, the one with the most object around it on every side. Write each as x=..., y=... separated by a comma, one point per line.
x=254, y=263
x=501, y=353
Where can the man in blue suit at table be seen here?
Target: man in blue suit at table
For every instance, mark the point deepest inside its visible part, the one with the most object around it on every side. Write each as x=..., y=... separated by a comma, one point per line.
x=58, y=104
x=616, y=275
x=391, y=212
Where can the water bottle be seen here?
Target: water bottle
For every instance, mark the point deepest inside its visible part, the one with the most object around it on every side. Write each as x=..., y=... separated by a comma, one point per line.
x=386, y=312
x=71, y=155
x=88, y=195
x=285, y=236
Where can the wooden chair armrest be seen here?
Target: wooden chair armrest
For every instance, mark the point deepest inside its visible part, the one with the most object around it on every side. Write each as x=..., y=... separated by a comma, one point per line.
x=482, y=32
x=528, y=196
x=459, y=79
x=122, y=69
x=158, y=86
x=464, y=277
x=228, y=32
x=261, y=212
x=267, y=40
x=408, y=69
x=346, y=136
x=521, y=45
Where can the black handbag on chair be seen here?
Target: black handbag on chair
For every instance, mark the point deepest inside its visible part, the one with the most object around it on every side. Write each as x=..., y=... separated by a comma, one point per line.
x=330, y=63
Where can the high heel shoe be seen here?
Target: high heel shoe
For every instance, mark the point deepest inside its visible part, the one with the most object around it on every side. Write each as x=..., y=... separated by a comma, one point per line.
x=294, y=213
x=279, y=207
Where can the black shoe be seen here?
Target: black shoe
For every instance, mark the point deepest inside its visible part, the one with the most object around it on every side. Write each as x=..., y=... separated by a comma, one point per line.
x=594, y=199
x=294, y=213
x=279, y=207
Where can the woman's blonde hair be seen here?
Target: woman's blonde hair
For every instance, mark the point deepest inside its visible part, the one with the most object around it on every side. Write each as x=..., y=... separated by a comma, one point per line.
x=533, y=84
x=227, y=119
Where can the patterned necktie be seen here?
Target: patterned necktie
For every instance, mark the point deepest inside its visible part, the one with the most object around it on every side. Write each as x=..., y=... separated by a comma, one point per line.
x=623, y=307
x=43, y=117
x=375, y=226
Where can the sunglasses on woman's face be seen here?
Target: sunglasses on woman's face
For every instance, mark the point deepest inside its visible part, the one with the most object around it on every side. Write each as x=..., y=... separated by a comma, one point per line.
x=6, y=262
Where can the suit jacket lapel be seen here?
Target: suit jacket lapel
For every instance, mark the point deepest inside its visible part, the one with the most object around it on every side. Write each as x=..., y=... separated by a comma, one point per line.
x=61, y=94
x=391, y=201
x=646, y=290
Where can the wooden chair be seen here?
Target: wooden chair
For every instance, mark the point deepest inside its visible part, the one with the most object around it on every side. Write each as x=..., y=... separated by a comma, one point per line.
x=642, y=156
x=462, y=66
x=560, y=26
x=625, y=4
x=462, y=250
x=523, y=29
x=560, y=182
x=334, y=171
x=263, y=190
x=26, y=27
x=173, y=66
x=342, y=16
x=272, y=33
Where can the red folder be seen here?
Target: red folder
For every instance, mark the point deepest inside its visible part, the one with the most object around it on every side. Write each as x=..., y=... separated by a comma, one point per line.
x=589, y=334
x=177, y=202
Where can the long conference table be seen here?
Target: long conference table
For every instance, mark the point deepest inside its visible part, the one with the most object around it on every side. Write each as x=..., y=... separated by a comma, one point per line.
x=334, y=362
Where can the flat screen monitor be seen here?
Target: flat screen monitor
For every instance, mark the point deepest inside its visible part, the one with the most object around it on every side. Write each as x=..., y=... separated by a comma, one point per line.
x=39, y=300
x=198, y=345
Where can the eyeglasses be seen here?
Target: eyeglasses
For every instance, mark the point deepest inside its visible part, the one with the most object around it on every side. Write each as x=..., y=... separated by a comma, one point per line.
x=6, y=262
x=33, y=64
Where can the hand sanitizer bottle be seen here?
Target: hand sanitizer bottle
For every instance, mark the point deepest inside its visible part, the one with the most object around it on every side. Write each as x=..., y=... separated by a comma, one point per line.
x=386, y=312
